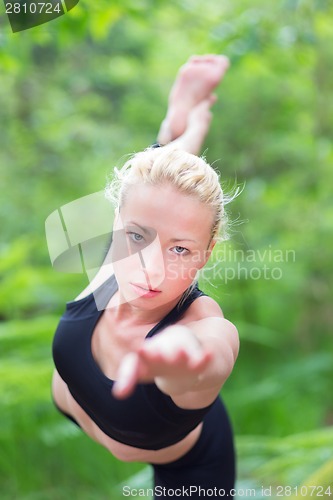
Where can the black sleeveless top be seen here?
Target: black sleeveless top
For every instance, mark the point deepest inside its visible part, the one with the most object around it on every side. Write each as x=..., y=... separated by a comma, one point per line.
x=148, y=418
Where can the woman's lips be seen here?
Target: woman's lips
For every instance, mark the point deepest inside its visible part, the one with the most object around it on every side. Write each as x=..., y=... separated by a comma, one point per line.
x=145, y=292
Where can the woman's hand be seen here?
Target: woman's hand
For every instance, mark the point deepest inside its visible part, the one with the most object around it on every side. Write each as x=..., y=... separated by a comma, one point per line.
x=173, y=359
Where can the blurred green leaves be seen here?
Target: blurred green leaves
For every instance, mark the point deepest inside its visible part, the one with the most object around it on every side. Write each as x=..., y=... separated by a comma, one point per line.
x=79, y=94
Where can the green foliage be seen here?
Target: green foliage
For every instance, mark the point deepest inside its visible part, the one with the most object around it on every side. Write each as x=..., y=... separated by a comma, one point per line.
x=30, y=286
x=298, y=460
x=79, y=93
x=322, y=476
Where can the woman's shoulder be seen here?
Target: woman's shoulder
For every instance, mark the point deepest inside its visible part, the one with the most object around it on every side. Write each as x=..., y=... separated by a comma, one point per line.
x=202, y=307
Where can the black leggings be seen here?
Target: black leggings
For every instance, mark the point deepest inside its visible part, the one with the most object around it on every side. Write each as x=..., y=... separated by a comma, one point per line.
x=209, y=465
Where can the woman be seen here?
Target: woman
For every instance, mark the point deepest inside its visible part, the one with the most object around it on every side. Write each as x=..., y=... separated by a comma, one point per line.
x=142, y=373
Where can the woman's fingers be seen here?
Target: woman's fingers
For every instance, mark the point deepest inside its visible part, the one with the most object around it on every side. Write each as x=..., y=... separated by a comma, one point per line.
x=179, y=359
x=127, y=376
x=164, y=357
x=201, y=363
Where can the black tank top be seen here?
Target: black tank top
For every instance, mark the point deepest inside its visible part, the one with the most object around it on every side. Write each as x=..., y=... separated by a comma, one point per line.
x=147, y=419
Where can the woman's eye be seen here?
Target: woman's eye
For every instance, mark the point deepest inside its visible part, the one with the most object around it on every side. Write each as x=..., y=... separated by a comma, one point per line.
x=136, y=237
x=180, y=250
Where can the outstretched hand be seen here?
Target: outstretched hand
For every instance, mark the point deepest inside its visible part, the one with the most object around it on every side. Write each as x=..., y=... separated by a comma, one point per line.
x=173, y=359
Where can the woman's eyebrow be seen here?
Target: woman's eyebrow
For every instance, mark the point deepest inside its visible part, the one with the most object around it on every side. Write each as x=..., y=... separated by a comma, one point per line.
x=176, y=240
x=147, y=231
x=150, y=231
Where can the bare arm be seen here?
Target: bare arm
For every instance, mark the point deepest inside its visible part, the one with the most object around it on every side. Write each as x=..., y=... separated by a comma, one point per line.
x=188, y=362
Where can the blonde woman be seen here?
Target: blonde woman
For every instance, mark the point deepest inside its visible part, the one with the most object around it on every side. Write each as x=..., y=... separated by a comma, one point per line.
x=142, y=373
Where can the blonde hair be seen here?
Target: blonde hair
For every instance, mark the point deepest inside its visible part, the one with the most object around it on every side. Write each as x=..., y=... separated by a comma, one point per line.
x=189, y=174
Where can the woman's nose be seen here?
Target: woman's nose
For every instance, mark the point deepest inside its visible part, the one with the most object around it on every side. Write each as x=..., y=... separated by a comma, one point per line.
x=152, y=262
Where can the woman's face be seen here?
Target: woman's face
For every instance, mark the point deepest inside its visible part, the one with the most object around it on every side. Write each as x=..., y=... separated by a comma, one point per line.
x=161, y=239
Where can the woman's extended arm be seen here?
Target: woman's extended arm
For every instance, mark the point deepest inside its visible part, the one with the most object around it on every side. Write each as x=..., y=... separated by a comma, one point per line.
x=189, y=362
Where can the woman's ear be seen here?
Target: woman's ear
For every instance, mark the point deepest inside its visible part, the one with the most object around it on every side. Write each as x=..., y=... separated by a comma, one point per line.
x=209, y=250
x=211, y=246
x=117, y=220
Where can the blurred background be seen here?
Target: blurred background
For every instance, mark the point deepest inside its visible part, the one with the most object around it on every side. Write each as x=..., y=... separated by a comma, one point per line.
x=82, y=91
